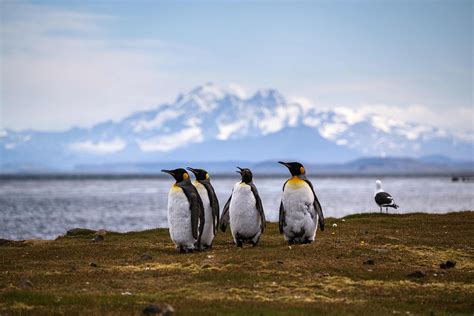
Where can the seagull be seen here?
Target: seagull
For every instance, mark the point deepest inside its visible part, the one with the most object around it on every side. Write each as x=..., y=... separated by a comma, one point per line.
x=382, y=198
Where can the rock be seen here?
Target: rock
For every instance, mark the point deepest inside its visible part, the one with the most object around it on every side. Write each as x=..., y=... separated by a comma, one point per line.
x=97, y=238
x=417, y=274
x=126, y=293
x=448, y=264
x=334, y=225
x=168, y=310
x=151, y=309
x=369, y=262
x=93, y=264
x=280, y=262
x=146, y=256
x=26, y=283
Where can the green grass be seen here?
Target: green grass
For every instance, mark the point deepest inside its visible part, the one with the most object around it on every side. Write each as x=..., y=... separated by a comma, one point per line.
x=326, y=277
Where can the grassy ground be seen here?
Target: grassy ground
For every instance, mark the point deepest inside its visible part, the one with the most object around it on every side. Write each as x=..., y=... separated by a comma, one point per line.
x=327, y=277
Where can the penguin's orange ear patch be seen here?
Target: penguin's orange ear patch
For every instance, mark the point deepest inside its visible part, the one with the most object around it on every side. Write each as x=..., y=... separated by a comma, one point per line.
x=185, y=176
x=301, y=170
x=207, y=176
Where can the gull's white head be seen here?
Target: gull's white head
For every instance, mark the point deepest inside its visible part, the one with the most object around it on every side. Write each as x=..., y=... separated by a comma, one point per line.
x=378, y=184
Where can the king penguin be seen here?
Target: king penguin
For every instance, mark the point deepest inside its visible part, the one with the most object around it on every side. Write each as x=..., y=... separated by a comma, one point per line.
x=210, y=203
x=300, y=210
x=244, y=211
x=185, y=212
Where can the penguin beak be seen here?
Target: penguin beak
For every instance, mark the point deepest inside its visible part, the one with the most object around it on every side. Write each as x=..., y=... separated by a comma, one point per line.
x=240, y=170
x=191, y=169
x=284, y=164
x=167, y=171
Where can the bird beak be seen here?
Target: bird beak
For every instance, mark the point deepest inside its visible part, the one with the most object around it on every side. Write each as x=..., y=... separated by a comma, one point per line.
x=284, y=164
x=168, y=172
x=240, y=170
x=191, y=169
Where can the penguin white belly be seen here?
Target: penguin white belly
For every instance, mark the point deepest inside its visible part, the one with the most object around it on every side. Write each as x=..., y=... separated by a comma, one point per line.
x=179, y=218
x=208, y=232
x=244, y=216
x=300, y=215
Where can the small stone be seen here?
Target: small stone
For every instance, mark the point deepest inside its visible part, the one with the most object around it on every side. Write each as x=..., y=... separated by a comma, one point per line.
x=417, y=274
x=97, y=238
x=168, y=310
x=334, y=225
x=280, y=262
x=93, y=264
x=381, y=250
x=127, y=293
x=26, y=283
x=343, y=220
x=448, y=264
x=146, y=256
x=151, y=309
x=369, y=262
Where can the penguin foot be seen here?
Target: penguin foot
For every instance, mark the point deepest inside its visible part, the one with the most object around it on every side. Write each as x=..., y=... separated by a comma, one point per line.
x=239, y=243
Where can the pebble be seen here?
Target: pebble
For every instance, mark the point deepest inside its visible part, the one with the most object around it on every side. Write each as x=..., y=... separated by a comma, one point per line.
x=126, y=293
x=152, y=309
x=417, y=274
x=146, y=256
x=168, y=310
x=334, y=225
x=26, y=283
x=97, y=238
x=448, y=264
x=369, y=262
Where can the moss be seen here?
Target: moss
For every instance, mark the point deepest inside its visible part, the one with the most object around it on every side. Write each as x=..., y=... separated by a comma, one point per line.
x=326, y=277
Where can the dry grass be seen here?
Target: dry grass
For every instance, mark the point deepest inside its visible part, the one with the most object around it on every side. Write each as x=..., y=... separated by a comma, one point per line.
x=327, y=277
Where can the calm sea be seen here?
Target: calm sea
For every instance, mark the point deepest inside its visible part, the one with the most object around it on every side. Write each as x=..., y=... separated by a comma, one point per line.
x=46, y=208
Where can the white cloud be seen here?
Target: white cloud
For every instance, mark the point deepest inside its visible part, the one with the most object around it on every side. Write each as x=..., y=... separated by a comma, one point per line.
x=59, y=68
x=227, y=129
x=99, y=148
x=169, y=142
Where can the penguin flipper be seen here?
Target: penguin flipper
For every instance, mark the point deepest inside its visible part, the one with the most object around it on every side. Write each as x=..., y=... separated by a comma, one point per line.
x=197, y=209
x=214, y=204
x=225, y=218
x=259, y=206
x=317, y=206
x=281, y=220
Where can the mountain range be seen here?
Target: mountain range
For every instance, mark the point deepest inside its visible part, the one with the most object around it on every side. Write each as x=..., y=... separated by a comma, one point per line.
x=214, y=125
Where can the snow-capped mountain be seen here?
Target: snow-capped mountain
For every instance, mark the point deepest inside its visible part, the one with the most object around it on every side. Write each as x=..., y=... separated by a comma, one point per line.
x=214, y=124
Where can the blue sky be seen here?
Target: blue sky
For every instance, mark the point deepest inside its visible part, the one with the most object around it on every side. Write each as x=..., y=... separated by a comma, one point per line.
x=68, y=63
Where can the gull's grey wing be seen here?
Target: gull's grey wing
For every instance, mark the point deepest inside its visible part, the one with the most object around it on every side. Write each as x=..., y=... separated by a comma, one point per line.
x=259, y=206
x=383, y=198
x=225, y=218
x=317, y=206
x=196, y=207
x=214, y=203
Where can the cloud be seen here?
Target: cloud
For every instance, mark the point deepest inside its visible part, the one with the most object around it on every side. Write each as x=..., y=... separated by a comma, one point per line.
x=99, y=148
x=60, y=68
x=172, y=141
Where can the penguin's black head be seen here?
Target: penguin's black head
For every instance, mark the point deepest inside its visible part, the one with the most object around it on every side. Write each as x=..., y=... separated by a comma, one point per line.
x=178, y=174
x=296, y=169
x=246, y=174
x=200, y=174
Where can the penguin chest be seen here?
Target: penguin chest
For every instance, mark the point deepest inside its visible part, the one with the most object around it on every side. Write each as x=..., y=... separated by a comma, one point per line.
x=298, y=202
x=244, y=217
x=179, y=217
x=208, y=231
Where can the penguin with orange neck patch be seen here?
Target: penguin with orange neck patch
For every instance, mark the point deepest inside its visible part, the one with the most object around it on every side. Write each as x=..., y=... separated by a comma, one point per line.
x=185, y=212
x=300, y=211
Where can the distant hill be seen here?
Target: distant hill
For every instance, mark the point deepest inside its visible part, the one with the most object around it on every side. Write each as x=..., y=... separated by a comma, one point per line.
x=210, y=124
